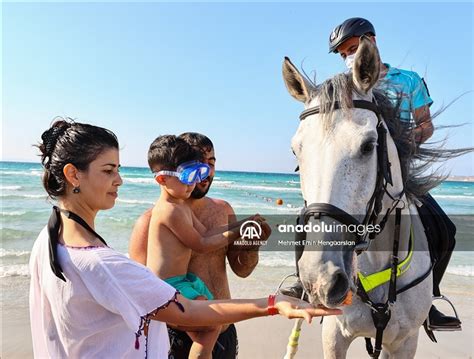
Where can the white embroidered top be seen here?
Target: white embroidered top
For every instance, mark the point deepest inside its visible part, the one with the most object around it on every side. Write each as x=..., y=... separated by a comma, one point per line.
x=98, y=311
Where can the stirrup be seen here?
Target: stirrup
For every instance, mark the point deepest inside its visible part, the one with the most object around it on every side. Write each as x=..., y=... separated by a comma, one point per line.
x=454, y=328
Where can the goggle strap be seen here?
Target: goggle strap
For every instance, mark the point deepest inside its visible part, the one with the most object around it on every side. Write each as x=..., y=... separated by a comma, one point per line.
x=167, y=173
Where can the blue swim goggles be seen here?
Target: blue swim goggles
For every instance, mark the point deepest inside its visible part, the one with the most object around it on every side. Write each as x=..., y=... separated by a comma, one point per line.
x=188, y=172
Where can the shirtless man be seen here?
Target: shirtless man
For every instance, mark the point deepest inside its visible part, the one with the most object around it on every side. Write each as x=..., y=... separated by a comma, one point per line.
x=210, y=267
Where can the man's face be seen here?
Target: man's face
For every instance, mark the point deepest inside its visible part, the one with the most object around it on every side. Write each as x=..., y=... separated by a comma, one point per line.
x=348, y=47
x=203, y=187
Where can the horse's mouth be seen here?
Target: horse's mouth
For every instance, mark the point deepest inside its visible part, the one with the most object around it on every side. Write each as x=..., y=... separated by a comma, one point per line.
x=338, y=301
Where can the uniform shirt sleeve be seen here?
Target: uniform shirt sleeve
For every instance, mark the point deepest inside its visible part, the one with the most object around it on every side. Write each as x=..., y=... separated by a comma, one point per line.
x=123, y=286
x=420, y=96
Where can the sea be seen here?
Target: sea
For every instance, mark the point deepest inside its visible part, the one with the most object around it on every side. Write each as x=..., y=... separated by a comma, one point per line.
x=26, y=209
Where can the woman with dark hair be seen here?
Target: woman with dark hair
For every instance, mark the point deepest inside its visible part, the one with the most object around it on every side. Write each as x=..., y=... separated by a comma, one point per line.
x=87, y=300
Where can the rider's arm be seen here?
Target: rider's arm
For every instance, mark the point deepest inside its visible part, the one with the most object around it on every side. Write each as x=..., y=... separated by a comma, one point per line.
x=423, y=126
x=420, y=103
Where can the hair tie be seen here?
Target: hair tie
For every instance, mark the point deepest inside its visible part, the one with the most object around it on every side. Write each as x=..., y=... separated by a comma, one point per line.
x=50, y=138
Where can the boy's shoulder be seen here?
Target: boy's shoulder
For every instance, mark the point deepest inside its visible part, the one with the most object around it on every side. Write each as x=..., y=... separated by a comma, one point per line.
x=164, y=211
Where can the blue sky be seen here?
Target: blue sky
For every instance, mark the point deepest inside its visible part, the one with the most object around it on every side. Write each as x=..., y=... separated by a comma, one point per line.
x=148, y=69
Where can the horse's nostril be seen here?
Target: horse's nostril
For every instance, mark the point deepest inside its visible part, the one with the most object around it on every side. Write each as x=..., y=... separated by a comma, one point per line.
x=338, y=290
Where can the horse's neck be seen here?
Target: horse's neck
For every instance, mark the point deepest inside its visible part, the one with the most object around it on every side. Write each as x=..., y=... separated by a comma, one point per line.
x=378, y=257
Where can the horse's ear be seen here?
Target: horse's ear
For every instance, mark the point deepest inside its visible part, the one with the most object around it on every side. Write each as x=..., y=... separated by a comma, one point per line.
x=296, y=84
x=366, y=68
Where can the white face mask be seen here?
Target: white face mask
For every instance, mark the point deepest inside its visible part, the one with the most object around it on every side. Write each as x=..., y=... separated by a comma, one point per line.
x=349, y=60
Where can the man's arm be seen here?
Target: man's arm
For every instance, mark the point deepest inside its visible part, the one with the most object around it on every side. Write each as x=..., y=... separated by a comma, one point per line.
x=137, y=248
x=420, y=103
x=424, y=127
x=244, y=259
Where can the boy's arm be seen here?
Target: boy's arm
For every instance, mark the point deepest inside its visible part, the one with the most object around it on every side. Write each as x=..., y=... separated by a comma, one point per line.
x=181, y=224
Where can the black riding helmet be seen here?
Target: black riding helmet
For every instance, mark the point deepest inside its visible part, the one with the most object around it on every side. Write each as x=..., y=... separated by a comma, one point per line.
x=355, y=26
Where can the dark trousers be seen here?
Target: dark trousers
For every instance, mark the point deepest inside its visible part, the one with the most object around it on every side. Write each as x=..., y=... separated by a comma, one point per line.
x=227, y=345
x=441, y=232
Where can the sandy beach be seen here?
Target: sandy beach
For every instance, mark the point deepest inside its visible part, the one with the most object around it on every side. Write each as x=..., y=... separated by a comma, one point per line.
x=264, y=338
x=258, y=338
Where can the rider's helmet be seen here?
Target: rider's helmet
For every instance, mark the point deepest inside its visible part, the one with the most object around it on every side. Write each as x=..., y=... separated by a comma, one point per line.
x=355, y=26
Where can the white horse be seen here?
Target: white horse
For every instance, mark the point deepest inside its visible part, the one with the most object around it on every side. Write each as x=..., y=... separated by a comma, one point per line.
x=336, y=148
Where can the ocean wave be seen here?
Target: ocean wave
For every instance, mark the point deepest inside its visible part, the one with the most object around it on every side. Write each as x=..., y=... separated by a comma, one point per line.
x=13, y=213
x=463, y=270
x=138, y=180
x=33, y=196
x=10, y=188
x=445, y=196
x=221, y=183
x=36, y=173
x=257, y=188
x=9, y=234
x=134, y=201
x=276, y=262
x=12, y=253
x=14, y=270
x=293, y=182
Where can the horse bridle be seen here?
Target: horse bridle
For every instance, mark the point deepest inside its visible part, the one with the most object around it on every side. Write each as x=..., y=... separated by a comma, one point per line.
x=374, y=205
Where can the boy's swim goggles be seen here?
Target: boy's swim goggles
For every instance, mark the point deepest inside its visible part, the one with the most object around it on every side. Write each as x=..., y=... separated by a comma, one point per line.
x=189, y=172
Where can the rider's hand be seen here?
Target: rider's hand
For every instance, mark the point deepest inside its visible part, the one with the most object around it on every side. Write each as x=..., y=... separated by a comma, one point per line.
x=295, y=308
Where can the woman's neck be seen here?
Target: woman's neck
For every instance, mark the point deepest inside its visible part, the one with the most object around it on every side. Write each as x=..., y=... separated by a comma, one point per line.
x=82, y=210
x=74, y=234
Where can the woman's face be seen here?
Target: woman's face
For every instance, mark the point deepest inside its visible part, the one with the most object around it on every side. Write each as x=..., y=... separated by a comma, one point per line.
x=99, y=184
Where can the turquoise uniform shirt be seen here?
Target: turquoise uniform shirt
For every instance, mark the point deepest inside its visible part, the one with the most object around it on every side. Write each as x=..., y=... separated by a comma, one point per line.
x=407, y=86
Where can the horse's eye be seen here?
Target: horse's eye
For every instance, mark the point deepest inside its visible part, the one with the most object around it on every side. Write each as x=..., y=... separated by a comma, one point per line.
x=367, y=147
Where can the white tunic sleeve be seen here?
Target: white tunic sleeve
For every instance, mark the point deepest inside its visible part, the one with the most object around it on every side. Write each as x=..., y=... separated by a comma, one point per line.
x=122, y=286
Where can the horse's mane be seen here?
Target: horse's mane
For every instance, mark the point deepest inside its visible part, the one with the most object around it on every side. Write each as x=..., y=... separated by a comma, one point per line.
x=418, y=173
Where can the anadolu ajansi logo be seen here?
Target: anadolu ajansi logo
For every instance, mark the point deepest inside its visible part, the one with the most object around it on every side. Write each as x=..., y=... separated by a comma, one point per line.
x=250, y=230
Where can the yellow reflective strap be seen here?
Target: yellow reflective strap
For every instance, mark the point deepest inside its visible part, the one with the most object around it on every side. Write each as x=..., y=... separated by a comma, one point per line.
x=295, y=334
x=374, y=280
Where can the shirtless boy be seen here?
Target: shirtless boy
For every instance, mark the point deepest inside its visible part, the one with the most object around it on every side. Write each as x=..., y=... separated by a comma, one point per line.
x=175, y=232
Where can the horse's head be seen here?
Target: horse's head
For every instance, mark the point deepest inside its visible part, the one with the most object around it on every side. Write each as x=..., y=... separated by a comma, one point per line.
x=336, y=148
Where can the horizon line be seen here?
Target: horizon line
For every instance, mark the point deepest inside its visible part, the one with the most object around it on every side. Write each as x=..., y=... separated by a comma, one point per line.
x=241, y=171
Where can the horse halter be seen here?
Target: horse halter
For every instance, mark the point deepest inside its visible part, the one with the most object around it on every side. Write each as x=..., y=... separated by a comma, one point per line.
x=374, y=205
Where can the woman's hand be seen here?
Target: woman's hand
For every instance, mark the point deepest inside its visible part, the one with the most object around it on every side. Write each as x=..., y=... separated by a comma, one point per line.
x=295, y=308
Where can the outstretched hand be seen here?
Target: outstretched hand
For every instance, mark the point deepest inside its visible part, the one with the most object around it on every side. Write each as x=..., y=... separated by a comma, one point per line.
x=295, y=308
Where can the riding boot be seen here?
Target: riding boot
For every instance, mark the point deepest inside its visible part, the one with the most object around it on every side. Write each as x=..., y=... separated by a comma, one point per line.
x=440, y=321
x=295, y=290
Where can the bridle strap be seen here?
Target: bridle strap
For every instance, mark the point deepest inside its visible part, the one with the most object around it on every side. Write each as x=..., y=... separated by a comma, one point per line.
x=363, y=104
x=320, y=209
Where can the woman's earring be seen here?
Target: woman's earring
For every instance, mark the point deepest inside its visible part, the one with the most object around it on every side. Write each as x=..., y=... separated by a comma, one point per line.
x=76, y=190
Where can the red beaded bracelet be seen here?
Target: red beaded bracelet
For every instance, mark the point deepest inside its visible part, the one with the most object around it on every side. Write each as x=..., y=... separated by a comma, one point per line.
x=271, y=305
